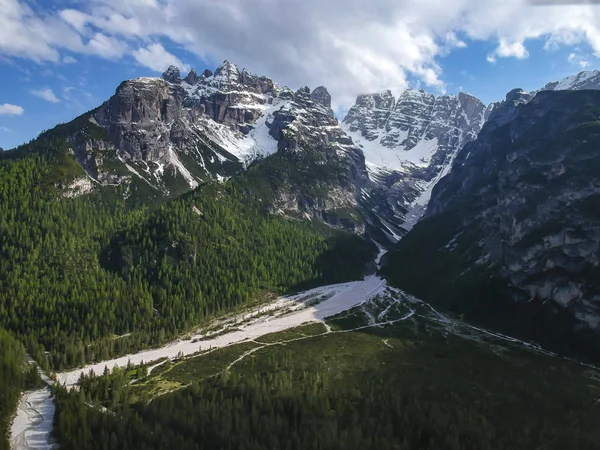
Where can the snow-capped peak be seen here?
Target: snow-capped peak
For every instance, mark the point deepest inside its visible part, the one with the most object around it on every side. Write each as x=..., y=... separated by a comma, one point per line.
x=227, y=73
x=416, y=130
x=583, y=80
x=409, y=143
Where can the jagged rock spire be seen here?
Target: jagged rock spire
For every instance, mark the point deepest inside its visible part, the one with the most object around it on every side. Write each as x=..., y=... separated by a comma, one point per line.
x=172, y=75
x=191, y=78
x=321, y=95
x=228, y=72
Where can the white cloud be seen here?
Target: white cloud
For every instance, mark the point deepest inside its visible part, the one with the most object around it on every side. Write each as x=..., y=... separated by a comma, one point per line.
x=579, y=60
x=350, y=46
x=41, y=35
x=451, y=42
x=5, y=129
x=105, y=46
x=11, y=110
x=155, y=57
x=69, y=60
x=513, y=49
x=76, y=19
x=46, y=94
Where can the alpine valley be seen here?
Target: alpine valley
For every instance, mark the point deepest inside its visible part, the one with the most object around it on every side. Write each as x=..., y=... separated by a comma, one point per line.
x=217, y=261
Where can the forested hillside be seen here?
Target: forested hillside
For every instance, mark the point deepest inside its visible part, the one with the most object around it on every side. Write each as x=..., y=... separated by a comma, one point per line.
x=77, y=272
x=404, y=386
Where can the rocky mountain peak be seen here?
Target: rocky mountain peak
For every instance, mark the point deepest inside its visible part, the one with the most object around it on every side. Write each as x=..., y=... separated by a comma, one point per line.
x=471, y=104
x=201, y=124
x=416, y=120
x=303, y=93
x=260, y=85
x=410, y=143
x=248, y=79
x=518, y=95
x=524, y=194
x=191, y=78
x=286, y=93
x=381, y=100
x=499, y=113
x=172, y=75
x=227, y=73
x=321, y=95
x=583, y=80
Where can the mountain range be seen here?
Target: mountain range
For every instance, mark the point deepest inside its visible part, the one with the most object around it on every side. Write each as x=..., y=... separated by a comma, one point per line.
x=239, y=255
x=171, y=133
x=376, y=173
x=378, y=165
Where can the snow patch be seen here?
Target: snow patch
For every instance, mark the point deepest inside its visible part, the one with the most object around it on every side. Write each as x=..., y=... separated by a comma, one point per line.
x=419, y=206
x=257, y=143
x=576, y=81
x=379, y=157
x=135, y=172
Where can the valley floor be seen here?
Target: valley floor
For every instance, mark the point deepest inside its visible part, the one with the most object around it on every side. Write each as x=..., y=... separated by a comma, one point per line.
x=284, y=313
x=349, y=307
x=33, y=423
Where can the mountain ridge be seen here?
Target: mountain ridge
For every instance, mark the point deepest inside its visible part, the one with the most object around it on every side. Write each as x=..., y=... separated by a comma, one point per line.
x=162, y=136
x=512, y=230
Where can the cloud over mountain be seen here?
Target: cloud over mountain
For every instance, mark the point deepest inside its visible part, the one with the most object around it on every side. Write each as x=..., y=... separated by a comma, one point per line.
x=351, y=46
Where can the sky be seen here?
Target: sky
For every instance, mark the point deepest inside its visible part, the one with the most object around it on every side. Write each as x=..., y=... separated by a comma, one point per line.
x=59, y=59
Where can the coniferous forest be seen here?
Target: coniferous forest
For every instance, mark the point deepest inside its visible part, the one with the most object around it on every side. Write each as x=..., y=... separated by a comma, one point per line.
x=76, y=272
x=345, y=391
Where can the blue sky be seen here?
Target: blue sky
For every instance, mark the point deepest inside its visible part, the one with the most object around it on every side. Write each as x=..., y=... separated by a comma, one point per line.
x=60, y=59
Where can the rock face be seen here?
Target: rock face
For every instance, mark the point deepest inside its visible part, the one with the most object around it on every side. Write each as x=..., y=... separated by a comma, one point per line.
x=236, y=99
x=409, y=144
x=192, y=77
x=416, y=133
x=321, y=95
x=516, y=221
x=172, y=75
x=317, y=172
x=173, y=133
x=98, y=157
